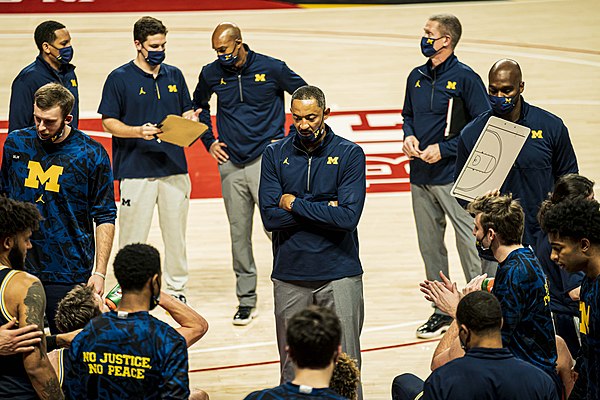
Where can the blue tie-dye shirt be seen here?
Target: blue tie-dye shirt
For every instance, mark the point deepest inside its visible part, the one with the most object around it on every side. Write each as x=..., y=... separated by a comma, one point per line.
x=128, y=356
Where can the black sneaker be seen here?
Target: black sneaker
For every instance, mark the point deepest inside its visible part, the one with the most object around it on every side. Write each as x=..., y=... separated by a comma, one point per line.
x=244, y=315
x=180, y=297
x=435, y=326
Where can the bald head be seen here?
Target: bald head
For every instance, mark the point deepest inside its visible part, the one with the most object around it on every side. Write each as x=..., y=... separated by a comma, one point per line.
x=227, y=31
x=507, y=67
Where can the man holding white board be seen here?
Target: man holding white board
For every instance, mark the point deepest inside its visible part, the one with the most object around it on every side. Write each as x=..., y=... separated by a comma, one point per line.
x=546, y=155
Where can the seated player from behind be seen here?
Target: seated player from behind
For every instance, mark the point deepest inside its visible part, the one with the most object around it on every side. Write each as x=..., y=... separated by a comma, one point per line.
x=313, y=343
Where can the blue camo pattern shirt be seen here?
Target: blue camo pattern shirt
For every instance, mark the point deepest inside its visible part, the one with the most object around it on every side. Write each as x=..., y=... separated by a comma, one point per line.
x=425, y=110
x=588, y=361
x=135, y=357
x=289, y=391
x=71, y=184
x=522, y=290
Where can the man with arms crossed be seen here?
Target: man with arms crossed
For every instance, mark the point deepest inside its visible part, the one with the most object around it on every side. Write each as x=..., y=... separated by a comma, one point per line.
x=312, y=193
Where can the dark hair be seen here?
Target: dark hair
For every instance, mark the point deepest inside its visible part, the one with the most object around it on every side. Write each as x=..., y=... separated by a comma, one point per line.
x=45, y=33
x=568, y=186
x=576, y=219
x=135, y=264
x=16, y=217
x=449, y=25
x=76, y=309
x=313, y=337
x=54, y=94
x=147, y=26
x=346, y=377
x=480, y=312
x=308, y=92
x=501, y=213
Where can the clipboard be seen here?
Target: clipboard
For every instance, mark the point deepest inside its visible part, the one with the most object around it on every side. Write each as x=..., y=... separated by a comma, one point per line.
x=180, y=131
x=491, y=159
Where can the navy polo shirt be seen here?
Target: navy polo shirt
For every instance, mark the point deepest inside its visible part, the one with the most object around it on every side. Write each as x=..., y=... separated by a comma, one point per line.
x=135, y=97
x=29, y=80
x=485, y=373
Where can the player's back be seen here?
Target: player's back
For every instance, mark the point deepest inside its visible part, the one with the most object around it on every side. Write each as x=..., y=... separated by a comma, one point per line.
x=128, y=355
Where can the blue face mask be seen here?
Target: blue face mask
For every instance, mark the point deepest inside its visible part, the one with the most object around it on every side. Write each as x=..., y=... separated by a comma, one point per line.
x=427, y=46
x=155, y=57
x=227, y=60
x=312, y=137
x=65, y=55
x=503, y=105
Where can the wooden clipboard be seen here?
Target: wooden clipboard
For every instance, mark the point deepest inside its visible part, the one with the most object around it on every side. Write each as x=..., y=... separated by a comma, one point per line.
x=180, y=131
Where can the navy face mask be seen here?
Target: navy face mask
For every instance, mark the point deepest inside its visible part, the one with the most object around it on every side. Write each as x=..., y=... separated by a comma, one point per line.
x=155, y=58
x=228, y=60
x=65, y=55
x=427, y=46
x=503, y=105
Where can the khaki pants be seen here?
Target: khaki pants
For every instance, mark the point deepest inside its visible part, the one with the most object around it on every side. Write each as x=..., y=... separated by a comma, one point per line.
x=172, y=195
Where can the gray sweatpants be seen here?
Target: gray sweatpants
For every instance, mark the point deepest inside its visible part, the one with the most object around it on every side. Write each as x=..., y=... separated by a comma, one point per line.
x=239, y=184
x=431, y=204
x=345, y=296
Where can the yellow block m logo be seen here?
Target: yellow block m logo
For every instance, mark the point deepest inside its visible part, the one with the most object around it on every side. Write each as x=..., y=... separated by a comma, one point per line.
x=418, y=84
x=451, y=85
x=536, y=134
x=260, y=78
x=332, y=160
x=585, y=318
x=48, y=178
x=73, y=83
x=172, y=88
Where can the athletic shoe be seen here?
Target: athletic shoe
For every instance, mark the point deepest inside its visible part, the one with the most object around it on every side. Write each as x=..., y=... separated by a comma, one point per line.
x=180, y=297
x=244, y=315
x=435, y=326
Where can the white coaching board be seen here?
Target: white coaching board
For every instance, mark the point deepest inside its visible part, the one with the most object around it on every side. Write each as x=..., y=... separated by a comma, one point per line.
x=492, y=158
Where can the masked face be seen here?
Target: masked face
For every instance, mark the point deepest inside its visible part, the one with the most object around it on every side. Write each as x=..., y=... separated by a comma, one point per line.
x=428, y=46
x=309, y=120
x=482, y=241
x=503, y=105
x=65, y=54
x=432, y=38
x=155, y=58
x=153, y=49
x=229, y=59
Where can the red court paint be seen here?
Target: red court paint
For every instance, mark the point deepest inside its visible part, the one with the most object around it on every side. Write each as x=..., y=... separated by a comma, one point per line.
x=256, y=364
x=95, y=6
x=379, y=132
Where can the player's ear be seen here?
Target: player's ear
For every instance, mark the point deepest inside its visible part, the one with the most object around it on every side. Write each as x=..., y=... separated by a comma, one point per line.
x=326, y=113
x=8, y=242
x=585, y=245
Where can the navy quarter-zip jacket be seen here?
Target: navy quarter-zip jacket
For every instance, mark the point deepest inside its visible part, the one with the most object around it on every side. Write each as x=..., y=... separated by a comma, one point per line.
x=546, y=155
x=315, y=241
x=29, y=80
x=250, y=111
x=428, y=92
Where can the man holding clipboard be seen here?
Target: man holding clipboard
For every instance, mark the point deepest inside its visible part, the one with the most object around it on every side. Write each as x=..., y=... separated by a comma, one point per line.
x=136, y=98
